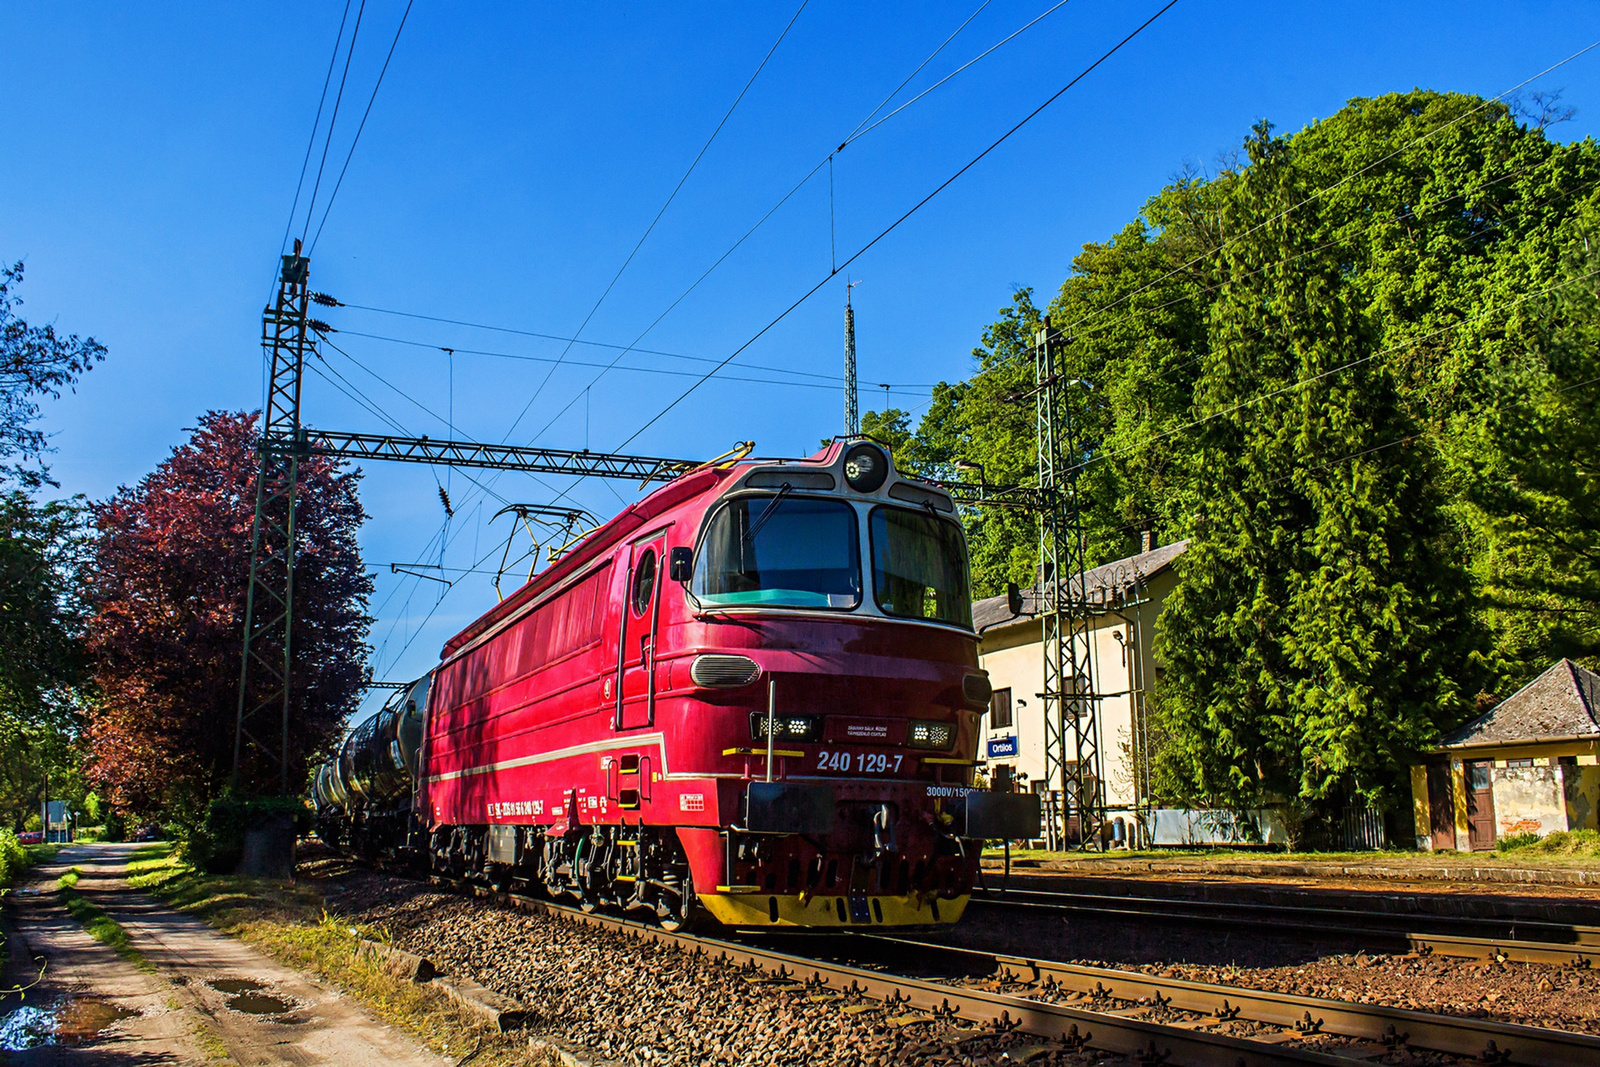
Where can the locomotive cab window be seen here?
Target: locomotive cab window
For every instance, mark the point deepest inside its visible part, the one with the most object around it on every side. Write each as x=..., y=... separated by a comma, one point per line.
x=780, y=551
x=919, y=567
x=644, y=582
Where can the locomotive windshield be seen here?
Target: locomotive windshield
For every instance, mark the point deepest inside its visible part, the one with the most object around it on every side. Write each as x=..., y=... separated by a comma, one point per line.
x=919, y=566
x=782, y=551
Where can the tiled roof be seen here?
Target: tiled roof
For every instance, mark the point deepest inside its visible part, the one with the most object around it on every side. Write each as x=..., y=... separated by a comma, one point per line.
x=1106, y=585
x=1561, y=702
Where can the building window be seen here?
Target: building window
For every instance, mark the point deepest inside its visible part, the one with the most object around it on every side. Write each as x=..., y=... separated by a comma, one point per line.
x=1565, y=761
x=1519, y=763
x=1000, y=709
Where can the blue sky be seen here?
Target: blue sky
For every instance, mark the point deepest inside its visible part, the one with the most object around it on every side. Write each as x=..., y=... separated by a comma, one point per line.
x=516, y=153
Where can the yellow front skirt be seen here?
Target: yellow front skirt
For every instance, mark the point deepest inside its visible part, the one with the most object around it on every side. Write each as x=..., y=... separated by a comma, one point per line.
x=744, y=908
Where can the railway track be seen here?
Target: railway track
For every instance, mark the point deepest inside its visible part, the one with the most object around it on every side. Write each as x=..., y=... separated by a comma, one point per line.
x=1516, y=940
x=1148, y=1019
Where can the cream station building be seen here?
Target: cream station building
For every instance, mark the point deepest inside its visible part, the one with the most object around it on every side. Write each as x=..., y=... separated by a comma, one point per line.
x=1129, y=594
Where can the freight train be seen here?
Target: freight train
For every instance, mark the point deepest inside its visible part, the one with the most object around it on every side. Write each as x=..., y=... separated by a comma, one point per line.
x=752, y=697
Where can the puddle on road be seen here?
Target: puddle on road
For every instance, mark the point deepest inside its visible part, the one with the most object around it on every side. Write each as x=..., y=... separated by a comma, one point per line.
x=81, y=1019
x=68, y=1021
x=244, y=995
x=260, y=1004
x=234, y=986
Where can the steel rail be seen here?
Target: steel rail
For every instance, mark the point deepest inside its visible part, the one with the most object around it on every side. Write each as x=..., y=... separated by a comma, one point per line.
x=1384, y=1028
x=1147, y=1042
x=1396, y=928
x=1487, y=948
x=1484, y=1039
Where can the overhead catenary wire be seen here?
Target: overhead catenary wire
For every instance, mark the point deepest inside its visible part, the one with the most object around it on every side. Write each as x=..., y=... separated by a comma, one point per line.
x=826, y=161
x=702, y=379
x=560, y=337
x=359, y=128
x=859, y=132
x=316, y=123
x=667, y=204
x=837, y=267
x=333, y=120
x=829, y=383
x=887, y=230
x=920, y=67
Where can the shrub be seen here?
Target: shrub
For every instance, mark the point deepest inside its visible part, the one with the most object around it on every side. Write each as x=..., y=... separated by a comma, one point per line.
x=1516, y=841
x=216, y=843
x=13, y=857
x=1557, y=843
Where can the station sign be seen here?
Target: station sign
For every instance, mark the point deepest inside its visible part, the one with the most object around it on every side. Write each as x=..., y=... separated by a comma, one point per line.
x=1002, y=746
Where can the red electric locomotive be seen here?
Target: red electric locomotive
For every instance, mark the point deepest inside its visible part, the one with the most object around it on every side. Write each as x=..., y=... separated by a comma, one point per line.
x=753, y=695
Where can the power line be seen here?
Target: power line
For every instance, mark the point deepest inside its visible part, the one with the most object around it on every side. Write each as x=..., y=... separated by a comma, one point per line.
x=787, y=196
x=706, y=273
x=363, y=125
x=311, y=142
x=830, y=383
x=327, y=141
x=670, y=198
x=913, y=74
x=912, y=211
x=561, y=337
x=863, y=132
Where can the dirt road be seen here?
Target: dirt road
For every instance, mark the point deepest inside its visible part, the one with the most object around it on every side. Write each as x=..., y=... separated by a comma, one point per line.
x=196, y=997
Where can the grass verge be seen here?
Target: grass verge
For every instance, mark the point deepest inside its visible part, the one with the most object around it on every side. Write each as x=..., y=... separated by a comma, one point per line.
x=1580, y=848
x=289, y=923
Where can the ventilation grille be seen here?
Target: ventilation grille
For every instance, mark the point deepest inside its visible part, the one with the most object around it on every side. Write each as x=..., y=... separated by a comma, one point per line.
x=977, y=690
x=724, y=672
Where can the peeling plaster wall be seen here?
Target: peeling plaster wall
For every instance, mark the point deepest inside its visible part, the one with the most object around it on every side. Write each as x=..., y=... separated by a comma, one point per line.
x=1581, y=791
x=1528, y=800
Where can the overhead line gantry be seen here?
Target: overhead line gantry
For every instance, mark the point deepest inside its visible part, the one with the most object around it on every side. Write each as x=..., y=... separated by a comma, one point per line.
x=289, y=336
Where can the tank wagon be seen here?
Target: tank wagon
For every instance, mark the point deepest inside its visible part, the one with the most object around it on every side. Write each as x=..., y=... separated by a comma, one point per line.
x=753, y=696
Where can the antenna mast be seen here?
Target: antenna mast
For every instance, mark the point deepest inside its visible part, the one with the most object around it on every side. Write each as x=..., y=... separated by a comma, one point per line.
x=852, y=415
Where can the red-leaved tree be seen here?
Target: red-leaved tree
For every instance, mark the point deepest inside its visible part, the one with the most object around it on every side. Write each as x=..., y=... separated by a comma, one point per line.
x=169, y=579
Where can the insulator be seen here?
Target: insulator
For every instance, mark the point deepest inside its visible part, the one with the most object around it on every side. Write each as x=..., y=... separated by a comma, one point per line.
x=444, y=498
x=325, y=300
x=320, y=326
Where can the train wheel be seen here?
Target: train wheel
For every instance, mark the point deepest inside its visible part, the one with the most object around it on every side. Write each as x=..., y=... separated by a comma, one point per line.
x=679, y=912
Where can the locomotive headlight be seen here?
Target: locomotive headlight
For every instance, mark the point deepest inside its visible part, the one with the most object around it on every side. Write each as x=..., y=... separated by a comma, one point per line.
x=785, y=727
x=865, y=468
x=931, y=734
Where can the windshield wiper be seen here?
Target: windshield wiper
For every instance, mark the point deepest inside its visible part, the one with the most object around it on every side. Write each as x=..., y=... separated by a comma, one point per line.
x=771, y=509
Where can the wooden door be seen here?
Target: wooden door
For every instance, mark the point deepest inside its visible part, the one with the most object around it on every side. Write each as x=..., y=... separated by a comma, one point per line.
x=636, y=686
x=1480, y=805
x=1441, y=806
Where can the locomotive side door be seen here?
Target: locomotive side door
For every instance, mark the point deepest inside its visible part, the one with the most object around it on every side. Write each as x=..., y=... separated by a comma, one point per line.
x=647, y=572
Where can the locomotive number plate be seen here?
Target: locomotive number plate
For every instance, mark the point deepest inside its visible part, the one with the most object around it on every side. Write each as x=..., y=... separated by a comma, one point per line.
x=859, y=762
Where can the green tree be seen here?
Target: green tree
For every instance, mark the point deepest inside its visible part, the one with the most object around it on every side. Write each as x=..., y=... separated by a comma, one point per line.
x=1316, y=638
x=42, y=548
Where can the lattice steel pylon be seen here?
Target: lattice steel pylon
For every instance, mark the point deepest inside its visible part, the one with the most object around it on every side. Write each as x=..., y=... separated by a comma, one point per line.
x=269, y=601
x=289, y=337
x=1071, y=708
